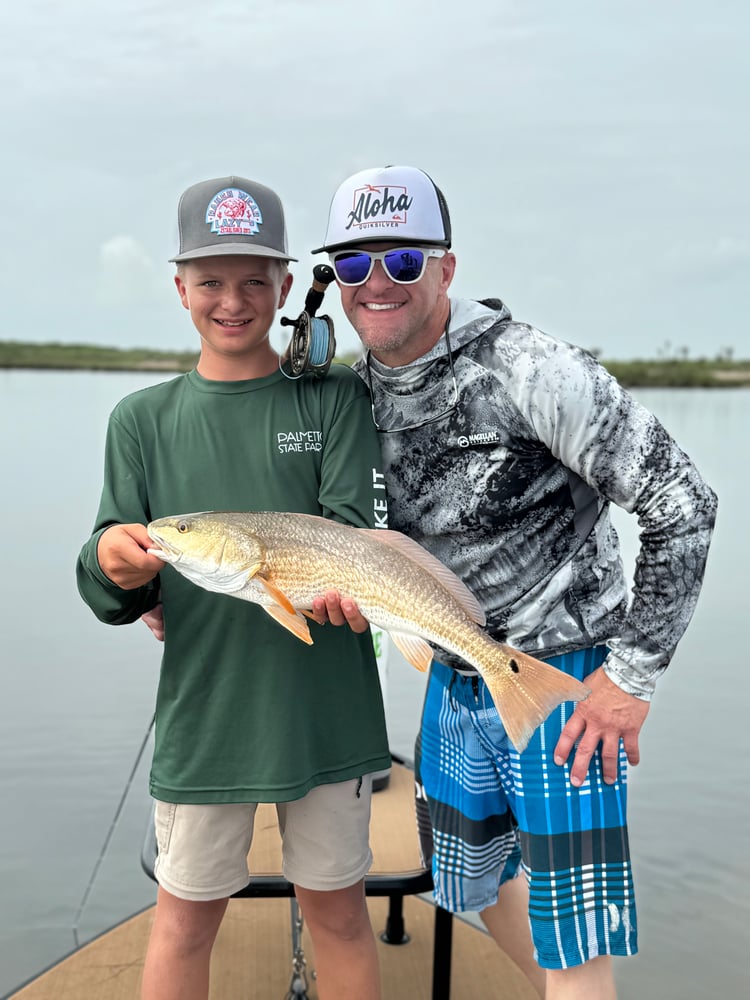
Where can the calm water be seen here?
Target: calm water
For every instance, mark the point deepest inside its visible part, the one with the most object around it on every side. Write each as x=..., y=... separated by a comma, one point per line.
x=77, y=699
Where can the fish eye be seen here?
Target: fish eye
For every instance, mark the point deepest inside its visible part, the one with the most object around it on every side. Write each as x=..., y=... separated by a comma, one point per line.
x=182, y=527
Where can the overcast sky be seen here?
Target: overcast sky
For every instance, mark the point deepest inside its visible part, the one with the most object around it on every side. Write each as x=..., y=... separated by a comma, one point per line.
x=595, y=154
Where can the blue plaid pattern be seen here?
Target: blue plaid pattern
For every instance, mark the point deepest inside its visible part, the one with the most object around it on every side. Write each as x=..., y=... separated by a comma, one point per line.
x=484, y=811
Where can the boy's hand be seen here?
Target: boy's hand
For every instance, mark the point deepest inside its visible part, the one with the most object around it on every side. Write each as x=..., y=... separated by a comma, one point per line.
x=123, y=558
x=155, y=621
x=339, y=610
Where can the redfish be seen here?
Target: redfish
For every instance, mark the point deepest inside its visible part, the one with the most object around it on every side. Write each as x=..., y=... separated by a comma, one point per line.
x=282, y=561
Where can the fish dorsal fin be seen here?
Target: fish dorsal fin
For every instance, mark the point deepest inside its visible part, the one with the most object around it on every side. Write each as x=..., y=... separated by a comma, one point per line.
x=413, y=649
x=293, y=623
x=278, y=595
x=412, y=550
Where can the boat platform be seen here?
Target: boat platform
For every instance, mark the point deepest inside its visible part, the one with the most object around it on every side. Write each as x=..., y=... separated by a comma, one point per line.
x=261, y=953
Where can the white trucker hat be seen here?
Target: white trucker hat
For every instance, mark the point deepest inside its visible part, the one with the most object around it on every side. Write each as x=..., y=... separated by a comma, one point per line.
x=388, y=203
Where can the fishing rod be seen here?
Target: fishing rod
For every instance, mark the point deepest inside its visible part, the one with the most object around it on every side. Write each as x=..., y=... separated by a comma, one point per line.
x=313, y=344
x=110, y=832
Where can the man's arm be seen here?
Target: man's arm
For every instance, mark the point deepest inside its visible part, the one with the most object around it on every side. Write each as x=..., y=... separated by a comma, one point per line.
x=601, y=433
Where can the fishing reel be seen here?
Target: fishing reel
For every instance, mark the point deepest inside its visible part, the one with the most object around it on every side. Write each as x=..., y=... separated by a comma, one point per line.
x=313, y=344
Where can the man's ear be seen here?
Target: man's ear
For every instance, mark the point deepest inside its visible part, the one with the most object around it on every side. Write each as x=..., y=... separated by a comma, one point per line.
x=447, y=269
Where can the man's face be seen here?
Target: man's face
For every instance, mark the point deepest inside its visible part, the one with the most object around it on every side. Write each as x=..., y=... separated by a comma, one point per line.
x=233, y=300
x=399, y=323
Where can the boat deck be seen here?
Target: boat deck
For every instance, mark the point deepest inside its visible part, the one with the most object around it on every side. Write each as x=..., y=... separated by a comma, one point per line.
x=252, y=957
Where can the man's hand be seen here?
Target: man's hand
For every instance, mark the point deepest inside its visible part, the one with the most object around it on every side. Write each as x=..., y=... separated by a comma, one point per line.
x=339, y=610
x=122, y=555
x=607, y=715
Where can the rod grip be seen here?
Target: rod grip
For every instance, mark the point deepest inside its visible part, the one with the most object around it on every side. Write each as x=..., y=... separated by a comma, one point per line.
x=322, y=277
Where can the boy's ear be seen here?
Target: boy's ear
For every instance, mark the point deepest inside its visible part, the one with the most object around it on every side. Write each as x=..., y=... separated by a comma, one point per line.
x=286, y=285
x=182, y=290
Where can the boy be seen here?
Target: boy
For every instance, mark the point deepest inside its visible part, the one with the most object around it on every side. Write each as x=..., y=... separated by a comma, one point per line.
x=245, y=712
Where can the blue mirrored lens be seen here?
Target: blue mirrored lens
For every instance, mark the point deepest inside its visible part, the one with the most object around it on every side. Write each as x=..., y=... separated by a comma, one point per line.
x=404, y=265
x=352, y=268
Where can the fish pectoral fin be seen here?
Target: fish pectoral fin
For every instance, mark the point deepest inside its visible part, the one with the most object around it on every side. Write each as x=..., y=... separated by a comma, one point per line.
x=283, y=611
x=413, y=649
x=320, y=619
x=273, y=591
x=292, y=622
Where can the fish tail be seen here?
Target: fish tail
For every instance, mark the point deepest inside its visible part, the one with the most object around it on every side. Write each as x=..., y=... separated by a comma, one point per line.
x=525, y=691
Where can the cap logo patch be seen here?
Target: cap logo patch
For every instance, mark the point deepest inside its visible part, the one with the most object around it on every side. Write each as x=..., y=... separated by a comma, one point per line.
x=233, y=212
x=379, y=206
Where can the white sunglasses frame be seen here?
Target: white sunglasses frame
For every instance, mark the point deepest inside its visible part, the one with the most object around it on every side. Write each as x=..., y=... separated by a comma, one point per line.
x=380, y=255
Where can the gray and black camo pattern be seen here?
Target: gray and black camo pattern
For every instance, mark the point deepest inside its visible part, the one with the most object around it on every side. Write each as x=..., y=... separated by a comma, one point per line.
x=511, y=490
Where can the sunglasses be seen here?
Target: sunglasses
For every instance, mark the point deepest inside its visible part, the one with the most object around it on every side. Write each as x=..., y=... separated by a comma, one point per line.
x=404, y=265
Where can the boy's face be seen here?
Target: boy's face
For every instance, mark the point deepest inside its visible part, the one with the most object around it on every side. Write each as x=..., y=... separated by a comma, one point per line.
x=233, y=301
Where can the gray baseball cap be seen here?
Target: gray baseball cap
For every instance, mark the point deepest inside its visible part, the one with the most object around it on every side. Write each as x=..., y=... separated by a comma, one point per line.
x=230, y=215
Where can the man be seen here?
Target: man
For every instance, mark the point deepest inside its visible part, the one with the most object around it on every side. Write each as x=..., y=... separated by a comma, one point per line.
x=245, y=713
x=502, y=450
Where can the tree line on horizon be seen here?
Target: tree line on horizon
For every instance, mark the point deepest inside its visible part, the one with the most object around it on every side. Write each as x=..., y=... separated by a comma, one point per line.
x=670, y=368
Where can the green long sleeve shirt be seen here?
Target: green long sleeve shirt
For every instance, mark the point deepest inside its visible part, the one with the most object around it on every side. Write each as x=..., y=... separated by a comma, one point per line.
x=245, y=711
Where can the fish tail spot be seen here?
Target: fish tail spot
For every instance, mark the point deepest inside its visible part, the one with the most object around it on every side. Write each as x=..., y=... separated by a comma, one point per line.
x=514, y=666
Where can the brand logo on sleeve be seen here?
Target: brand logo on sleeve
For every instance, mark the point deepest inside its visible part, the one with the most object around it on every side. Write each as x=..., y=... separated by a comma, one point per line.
x=380, y=504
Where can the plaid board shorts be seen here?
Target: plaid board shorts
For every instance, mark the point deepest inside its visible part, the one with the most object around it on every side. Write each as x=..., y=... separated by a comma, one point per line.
x=484, y=811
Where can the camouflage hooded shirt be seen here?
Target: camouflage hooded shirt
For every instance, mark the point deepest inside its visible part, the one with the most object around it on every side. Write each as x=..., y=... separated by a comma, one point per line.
x=508, y=481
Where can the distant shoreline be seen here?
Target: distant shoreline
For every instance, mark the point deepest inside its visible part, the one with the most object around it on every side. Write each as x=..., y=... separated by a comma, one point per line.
x=676, y=372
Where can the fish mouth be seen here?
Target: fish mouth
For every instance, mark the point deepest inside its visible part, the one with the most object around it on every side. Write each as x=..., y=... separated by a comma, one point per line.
x=164, y=549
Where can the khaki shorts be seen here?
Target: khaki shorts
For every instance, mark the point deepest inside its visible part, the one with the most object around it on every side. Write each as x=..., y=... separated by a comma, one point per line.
x=325, y=842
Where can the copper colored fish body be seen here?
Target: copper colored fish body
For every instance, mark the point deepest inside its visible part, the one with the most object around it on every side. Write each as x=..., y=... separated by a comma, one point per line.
x=282, y=561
